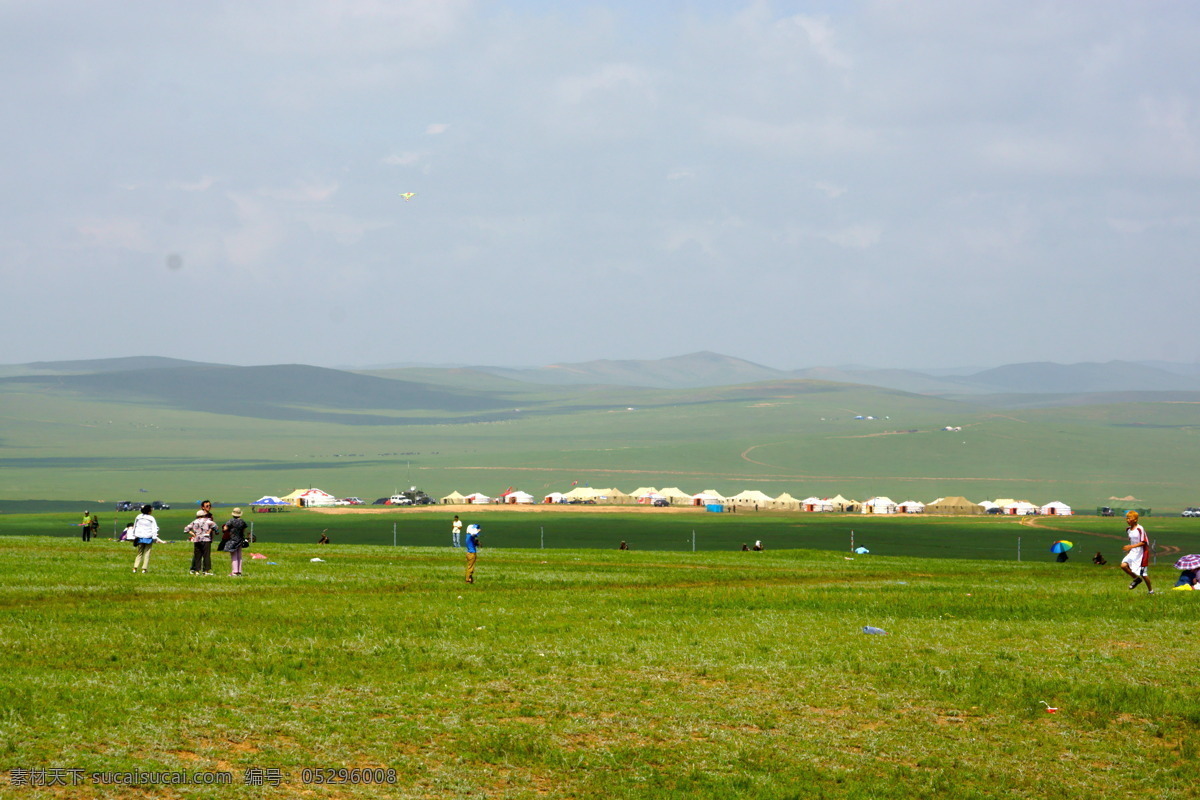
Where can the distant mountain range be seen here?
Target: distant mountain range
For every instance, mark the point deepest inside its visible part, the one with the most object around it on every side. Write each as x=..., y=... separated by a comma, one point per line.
x=481, y=389
x=712, y=369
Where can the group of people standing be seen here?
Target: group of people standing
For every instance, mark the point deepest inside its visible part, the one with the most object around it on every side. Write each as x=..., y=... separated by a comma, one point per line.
x=201, y=531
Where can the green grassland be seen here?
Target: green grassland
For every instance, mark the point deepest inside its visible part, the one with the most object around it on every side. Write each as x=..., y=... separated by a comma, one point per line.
x=794, y=436
x=997, y=538
x=572, y=673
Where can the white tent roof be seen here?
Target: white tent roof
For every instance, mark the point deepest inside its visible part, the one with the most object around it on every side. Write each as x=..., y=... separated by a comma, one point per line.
x=751, y=496
x=1056, y=505
x=518, y=497
x=1020, y=504
x=672, y=492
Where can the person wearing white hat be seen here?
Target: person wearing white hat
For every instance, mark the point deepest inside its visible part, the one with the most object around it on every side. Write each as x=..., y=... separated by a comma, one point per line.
x=235, y=530
x=472, y=543
x=200, y=533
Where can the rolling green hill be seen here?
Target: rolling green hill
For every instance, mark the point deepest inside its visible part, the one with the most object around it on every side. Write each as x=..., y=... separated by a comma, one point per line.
x=239, y=432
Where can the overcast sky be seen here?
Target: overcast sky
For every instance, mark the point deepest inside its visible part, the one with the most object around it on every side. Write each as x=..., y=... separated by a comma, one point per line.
x=908, y=183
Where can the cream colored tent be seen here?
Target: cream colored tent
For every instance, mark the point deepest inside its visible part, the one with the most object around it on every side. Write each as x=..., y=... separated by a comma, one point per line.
x=515, y=497
x=645, y=494
x=1056, y=509
x=910, y=507
x=750, y=497
x=954, y=506
x=618, y=498
x=676, y=495
x=310, y=498
x=840, y=503
x=785, y=502
x=582, y=493
x=1020, y=508
x=454, y=498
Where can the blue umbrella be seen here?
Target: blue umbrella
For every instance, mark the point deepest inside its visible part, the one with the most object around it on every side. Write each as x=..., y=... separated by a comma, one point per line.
x=1061, y=546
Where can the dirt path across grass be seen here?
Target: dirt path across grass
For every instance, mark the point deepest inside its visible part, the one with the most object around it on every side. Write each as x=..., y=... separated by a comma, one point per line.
x=1162, y=550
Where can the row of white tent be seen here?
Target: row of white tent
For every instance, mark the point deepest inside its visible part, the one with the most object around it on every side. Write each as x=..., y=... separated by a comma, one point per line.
x=647, y=495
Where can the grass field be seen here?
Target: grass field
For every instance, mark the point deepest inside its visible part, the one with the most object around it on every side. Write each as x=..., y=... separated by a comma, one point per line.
x=574, y=672
x=650, y=529
x=796, y=437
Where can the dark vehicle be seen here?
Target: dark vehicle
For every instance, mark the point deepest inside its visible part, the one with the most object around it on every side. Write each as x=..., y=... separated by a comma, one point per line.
x=1106, y=512
x=128, y=505
x=995, y=511
x=581, y=502
x=661, y=502
x=159, y=505
x=383, y=501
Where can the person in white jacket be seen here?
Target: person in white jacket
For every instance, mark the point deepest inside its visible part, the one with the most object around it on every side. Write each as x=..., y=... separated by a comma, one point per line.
x=145, y=534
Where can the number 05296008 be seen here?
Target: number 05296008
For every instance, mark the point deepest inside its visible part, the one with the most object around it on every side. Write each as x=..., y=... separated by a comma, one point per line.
x=330, y=775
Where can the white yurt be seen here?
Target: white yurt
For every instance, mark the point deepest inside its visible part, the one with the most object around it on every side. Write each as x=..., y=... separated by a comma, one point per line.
x=879, y=505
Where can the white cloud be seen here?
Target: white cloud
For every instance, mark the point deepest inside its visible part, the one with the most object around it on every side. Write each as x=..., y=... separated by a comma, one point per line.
x=121, y=232
x=202, y=185
x=854, y=237
x=302, y=192
x=830, y=190
x=436, y=128
x=616, y=79
x=406, y=159
x=828, y=135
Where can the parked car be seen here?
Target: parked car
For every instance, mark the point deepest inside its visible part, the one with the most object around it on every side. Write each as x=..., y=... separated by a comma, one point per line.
x=1191, y=512
x=383, y=501
x=127, y=505
x=354, y=501
x=661, y=502
x=1106, y=512
x=159, y=505
x=995, y=510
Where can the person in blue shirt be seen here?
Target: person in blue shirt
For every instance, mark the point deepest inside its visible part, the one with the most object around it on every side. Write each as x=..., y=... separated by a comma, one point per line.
x=472, y=548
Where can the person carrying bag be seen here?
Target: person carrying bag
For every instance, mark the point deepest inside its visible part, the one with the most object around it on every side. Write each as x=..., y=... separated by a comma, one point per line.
x=235, y=541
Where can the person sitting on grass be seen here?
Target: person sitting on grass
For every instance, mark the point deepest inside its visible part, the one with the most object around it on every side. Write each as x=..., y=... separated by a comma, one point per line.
x=324, y=539
x=1099, y=559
